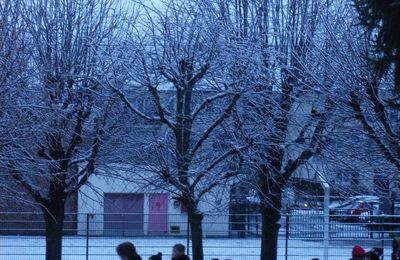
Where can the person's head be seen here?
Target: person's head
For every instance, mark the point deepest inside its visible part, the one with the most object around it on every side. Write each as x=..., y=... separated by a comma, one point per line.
x=126, y=251
x=375, y=253
x=178, y=250
x=358, y=252
x=156, y=257
x=372, y=256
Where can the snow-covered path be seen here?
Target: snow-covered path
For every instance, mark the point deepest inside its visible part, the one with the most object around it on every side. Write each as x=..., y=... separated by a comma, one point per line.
x=103, y=248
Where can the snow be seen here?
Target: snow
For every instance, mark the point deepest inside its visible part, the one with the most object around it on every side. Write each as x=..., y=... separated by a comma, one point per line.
x=103, y=248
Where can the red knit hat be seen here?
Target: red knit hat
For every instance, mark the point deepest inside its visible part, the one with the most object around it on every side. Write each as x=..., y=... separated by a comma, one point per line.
x=358, y=251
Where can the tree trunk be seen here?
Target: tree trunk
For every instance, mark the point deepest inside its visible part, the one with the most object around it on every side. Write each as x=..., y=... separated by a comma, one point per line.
x=195, y=220
x=270, y=228
x=54, y=218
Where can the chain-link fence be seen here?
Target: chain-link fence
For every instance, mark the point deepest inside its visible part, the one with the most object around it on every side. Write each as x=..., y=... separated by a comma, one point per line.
x=95, y=236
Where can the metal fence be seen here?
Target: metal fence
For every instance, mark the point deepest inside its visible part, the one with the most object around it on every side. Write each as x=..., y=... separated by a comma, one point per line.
x=95, y=236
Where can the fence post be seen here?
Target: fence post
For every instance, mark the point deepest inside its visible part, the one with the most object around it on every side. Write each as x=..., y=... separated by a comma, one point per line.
x=187, y=235
x=326, y=230
x=371, y=226
x=326, y=217
x=287, y=237
x=257, y=224
x=87, y=236
x=383, y=235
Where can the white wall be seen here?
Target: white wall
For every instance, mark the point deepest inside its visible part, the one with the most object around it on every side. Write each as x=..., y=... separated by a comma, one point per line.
x=91, y=201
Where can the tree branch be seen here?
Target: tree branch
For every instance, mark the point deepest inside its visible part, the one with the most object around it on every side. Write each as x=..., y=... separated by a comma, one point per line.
x=77, y=135
x=208, y=101
x=380, y=113
x=217, y=122
x=314, y=146
x=132, y=107
x=153, y=91
x=32, y=191
x=88, y=170
x=359, y=115
x=161, y=109
x=226, y=176
x=215, y=163
x=196, y=78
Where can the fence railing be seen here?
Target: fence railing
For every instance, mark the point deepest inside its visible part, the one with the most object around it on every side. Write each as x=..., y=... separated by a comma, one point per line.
x=95, y=236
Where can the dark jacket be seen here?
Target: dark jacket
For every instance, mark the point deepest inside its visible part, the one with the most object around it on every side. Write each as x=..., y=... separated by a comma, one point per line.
x=156, y=257
x=182, y=257
x=396, y=248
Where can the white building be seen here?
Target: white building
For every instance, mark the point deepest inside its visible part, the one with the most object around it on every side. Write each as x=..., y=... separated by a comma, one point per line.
x=120, y=208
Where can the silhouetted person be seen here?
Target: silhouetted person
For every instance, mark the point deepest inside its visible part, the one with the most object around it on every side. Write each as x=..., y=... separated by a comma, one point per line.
x=375, y=253
x=127, y=251
x=372, y=256
x=178, y=252
x=396, y=248
x=156, y=257
x=358, y=253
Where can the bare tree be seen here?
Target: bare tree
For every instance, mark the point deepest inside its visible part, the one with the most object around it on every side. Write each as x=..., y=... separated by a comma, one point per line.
x=179, y=61
x=59, y=113
x=12, y=64
x=376, y=99
x=365, y=61
x=289, y=107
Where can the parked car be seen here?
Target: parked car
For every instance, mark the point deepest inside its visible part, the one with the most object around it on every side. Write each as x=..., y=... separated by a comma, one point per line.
x=356, y=208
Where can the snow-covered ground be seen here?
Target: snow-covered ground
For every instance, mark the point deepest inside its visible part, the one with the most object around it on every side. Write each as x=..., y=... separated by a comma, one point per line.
x=101, y=248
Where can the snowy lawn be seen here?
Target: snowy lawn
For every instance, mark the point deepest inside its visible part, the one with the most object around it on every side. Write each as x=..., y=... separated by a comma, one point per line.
x=103, y=248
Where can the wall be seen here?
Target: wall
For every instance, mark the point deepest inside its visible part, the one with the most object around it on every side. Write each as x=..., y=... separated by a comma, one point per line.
x=91, y=201
x=20, y=214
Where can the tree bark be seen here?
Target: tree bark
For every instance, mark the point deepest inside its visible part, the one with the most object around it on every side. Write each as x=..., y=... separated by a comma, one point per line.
x=195, y=220
x=54, y=218
x=270, y=229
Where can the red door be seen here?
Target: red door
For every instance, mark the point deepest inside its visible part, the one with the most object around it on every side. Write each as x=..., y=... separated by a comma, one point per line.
x=123, y=214
x=158, y=210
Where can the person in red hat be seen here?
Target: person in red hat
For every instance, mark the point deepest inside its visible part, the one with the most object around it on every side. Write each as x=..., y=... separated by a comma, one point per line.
x=358, y=253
